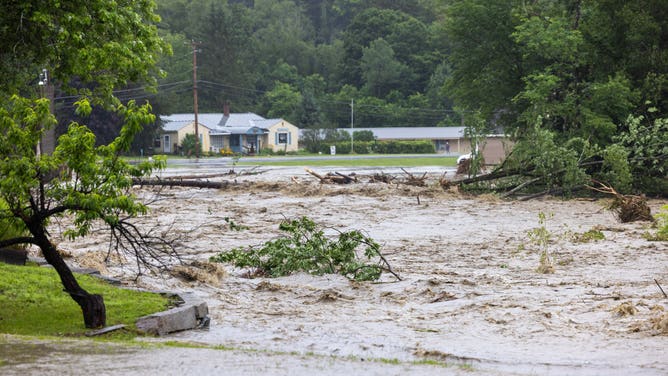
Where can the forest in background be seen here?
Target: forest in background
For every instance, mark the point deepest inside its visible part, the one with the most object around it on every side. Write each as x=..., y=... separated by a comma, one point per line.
x=581, y=86
x=307, y=61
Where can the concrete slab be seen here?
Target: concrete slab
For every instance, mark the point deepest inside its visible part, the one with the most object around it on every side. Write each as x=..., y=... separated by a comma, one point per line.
x=189, y=315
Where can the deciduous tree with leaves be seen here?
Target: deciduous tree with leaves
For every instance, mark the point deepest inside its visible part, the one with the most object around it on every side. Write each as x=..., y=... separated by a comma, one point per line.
x=104, y=45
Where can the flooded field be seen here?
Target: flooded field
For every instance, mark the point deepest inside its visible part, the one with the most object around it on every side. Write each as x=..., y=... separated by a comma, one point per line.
x=470, y=294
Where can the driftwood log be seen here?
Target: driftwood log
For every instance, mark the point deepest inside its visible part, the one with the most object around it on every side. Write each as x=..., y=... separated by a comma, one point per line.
x=336, y=177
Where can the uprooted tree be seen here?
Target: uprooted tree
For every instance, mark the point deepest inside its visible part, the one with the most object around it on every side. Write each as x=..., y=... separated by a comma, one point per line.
x=88, y=49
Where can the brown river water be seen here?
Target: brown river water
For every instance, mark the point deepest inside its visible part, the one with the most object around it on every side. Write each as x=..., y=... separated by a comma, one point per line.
x=470, y=295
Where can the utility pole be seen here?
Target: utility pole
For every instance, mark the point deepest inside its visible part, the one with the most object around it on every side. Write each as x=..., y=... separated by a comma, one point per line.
x=352, y=126
x=47, y=143
x=197, y=146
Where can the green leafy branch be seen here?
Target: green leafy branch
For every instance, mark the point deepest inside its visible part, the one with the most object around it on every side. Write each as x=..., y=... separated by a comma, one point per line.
x=306, y=248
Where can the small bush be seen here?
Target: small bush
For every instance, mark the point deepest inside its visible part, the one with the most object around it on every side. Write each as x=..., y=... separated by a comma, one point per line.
x=305, y=248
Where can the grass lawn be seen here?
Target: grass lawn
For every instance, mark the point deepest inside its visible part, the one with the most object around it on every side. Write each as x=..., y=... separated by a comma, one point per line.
x=32, y=302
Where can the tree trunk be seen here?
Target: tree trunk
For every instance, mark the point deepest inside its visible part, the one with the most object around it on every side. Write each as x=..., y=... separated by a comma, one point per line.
x=92, y=305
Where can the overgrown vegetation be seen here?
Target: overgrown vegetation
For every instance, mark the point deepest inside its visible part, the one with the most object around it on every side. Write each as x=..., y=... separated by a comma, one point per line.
x=305, y=247
x=32, y=302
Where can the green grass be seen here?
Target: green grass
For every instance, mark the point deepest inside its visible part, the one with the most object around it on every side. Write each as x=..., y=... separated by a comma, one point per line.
x=32, y=302
x=358, y=162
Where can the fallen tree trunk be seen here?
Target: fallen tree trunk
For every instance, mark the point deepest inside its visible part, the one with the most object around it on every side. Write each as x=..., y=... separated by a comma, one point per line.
x=182, y=183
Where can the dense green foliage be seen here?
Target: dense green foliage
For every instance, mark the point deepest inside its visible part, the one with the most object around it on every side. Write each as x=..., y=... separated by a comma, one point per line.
x=590, y=76
x=305, y=247
x=88, y=50
x=32, y=302
x=309, y=60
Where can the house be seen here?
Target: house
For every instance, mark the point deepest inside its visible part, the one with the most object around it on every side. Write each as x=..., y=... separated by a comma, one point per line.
x=449, y=140
x=245, y=133
x=173, y=133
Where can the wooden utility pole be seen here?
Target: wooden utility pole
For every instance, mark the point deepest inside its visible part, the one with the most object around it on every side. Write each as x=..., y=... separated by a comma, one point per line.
x=352, y=126
x=197, y=146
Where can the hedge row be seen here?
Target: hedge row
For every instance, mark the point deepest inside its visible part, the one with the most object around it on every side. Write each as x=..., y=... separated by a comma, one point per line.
x=382, y=147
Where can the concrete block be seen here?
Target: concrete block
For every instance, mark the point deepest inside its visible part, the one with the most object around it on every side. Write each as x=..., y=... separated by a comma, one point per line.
x=191, y=314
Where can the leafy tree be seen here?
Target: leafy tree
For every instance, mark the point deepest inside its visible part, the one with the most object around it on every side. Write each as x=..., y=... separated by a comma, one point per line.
x=646, y=144
x=89, y=48
x=95, y=43
x=95, y=185
x=365, y=135
x=486, y=65
x=380, y=70
x=283, y=32
x=224, y=34
x=310, y=111
x=311, y=140
x=406, y=35
x=284, y=102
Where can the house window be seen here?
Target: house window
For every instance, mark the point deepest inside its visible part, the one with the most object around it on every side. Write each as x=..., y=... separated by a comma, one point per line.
x=156, y=142
x=282, y=138
x=235, y=140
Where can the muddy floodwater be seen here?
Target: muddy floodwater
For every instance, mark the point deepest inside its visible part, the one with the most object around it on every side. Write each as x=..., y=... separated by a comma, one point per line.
x=470, y=296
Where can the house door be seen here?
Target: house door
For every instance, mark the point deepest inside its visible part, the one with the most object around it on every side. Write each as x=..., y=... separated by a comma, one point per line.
x=167, y=144
x=251, y=144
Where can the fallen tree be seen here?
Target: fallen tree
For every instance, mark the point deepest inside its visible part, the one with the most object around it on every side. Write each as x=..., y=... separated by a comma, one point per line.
x=178, y=182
